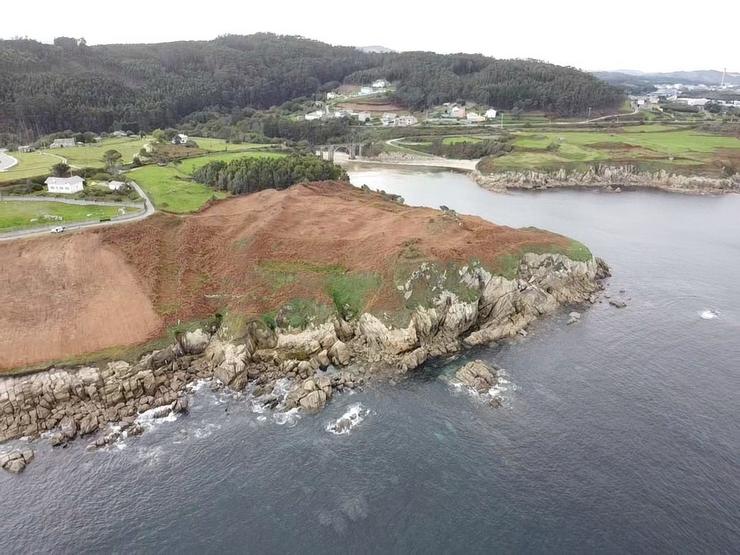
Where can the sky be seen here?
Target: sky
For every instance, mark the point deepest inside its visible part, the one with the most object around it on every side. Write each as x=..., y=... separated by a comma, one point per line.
x=592, y=35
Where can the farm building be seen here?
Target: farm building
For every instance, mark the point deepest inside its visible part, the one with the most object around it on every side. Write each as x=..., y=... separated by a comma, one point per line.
x=66, y=185
x=26, y=148
x=180, y=139
x=116, y=185
x=490, y=113
x=119, y=134
x=380, y=84
x=474, y=117
x=457, y=112
x=62, y=143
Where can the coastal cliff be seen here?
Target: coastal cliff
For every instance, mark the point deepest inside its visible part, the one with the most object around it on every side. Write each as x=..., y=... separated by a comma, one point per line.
x=316, y=362
x=611, y=177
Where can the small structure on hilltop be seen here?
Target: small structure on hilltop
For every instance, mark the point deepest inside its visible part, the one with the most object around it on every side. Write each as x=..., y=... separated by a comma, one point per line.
x=63, y=143
x=65, y=185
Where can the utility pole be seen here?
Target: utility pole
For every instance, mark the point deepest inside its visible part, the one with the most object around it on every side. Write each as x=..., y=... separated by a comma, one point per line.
x=589, y=113
x=502, y=120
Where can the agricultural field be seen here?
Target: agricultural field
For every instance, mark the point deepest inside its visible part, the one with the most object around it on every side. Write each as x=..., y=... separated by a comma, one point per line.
x=18, y=214
x=650, y=147
x=171, y=187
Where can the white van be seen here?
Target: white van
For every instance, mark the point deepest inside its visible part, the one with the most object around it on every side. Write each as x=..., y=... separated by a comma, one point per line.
x=58, y=229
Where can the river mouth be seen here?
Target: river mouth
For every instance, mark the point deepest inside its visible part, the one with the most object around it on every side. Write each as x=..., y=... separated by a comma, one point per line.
x=617, y=433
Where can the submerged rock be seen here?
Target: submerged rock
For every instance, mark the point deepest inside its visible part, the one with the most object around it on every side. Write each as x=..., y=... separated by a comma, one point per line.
x=617, y=303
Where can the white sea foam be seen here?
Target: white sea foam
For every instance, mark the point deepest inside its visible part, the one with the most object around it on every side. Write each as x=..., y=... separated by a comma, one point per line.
x=355, y=414
x=708, y=314
x=157, y=415
x=288, y=417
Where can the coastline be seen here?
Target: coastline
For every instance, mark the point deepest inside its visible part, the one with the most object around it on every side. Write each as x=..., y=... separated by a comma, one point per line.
x=285, y=370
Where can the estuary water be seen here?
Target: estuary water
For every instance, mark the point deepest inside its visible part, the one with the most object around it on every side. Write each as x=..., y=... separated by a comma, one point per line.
x=620, y=433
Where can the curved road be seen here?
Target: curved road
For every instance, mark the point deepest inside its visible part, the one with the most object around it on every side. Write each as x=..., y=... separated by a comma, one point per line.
x=6, y=160
x=148, y=211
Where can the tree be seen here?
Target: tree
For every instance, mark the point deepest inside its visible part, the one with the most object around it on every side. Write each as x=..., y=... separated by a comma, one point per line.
x=111, y=158
x=60, y=169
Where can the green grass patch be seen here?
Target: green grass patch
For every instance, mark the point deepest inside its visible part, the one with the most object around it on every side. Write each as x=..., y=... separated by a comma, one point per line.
x=173, y=191
x=507, y=265
x=457, y=139
x=19, y=214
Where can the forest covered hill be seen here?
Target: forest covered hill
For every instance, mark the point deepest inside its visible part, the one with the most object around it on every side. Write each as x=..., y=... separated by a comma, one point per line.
x=70, y=85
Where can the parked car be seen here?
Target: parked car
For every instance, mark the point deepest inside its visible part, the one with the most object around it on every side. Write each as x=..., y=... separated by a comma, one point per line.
x=58, y=229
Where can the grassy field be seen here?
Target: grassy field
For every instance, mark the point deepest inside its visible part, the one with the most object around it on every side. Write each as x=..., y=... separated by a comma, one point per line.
x=173, y=191
x=648, y=146
x=18, y=214
x=171, y=187
x=457, y=139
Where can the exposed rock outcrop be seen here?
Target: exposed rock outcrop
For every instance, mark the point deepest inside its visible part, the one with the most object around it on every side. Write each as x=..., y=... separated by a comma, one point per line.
x=16, y=461
x=608, y=177
x=80, y=401
x=477, y=375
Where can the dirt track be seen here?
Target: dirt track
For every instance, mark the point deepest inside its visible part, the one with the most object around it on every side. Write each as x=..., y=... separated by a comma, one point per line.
x=65, y=296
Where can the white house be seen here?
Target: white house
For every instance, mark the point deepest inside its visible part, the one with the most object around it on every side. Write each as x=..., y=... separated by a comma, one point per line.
x=62, y=143
x=380, y=84
x=474, y=117
x=388, y=118
x=366, y=90
x=180, y=139
x=318, y=114
x=26, y=148
x=491, y=113
x=457, y=112
x=364, y=116
x=119, y=134
x=116, y=185
x=331, y=95
x=66, y=185
x=406, y=121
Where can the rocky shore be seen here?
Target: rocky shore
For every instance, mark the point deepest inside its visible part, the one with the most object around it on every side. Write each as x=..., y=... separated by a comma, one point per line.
x=65, y=403
x=611, y=177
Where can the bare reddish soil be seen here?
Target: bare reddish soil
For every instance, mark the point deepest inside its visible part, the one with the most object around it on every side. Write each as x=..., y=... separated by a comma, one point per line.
x=124, y=284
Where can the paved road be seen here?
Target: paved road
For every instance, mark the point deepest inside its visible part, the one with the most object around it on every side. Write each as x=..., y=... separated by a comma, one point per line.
x=148, y=211
x=6, y=160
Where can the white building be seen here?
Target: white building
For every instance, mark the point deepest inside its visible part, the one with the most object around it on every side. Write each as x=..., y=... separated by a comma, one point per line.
x=364, y=116
x=457, y=112
x=366, y=90
x=26, y=148
x=406, y=121
x=388, y=118
x=66, y=185
x=491, y=113
x=116, y=185
x=318, y=114
x=693, y=101
x=380, y=84
x=474, y=117
x=180, y=139
x=62, y=143
x=331, y=95
x=119, y=134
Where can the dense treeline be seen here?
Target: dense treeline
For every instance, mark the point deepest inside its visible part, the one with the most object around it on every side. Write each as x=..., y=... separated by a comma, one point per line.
x=470, y=150
x=252, y=174
x=70, y=85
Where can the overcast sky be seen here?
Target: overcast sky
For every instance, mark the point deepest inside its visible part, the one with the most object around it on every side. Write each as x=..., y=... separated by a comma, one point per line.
x=649, y=35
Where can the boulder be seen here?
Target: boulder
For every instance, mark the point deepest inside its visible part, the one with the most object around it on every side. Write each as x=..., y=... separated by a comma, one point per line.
x=193, y=342
x=477, y=375
x=17, y=460
x=339, y=354
x=313, y=401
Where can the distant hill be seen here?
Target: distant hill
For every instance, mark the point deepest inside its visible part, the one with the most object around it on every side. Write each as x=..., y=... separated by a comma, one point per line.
x=70, y=85
x=698, y=77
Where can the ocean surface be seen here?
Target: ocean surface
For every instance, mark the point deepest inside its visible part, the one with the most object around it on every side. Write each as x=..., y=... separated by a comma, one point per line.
x=618, y=434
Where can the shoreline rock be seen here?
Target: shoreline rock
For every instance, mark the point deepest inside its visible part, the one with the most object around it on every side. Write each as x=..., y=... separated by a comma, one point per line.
x=612, y=178
x=80, y=401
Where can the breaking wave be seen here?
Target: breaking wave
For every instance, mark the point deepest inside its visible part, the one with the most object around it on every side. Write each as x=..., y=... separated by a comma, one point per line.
x=355, y=414
x=708, y=314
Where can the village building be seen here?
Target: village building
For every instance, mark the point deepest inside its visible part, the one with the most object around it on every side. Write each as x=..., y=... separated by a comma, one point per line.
x=331, y=95
x=474, y=117
x=318, y=114
x=116, y=185
x=380, y=84
x=490, y=113
x=26, y=148
x=364, y=116
x=119, y=134
x=62, y=143
x=180, y=139
x=406, y=121
x=366, y=90
x=388, y=119
x=457, y=112
x=65, y=185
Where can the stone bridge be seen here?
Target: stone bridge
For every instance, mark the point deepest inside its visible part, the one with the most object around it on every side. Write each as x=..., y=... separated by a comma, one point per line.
x=353, y=150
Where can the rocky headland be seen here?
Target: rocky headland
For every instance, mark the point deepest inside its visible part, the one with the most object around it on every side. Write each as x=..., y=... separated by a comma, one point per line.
x=461, y=282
